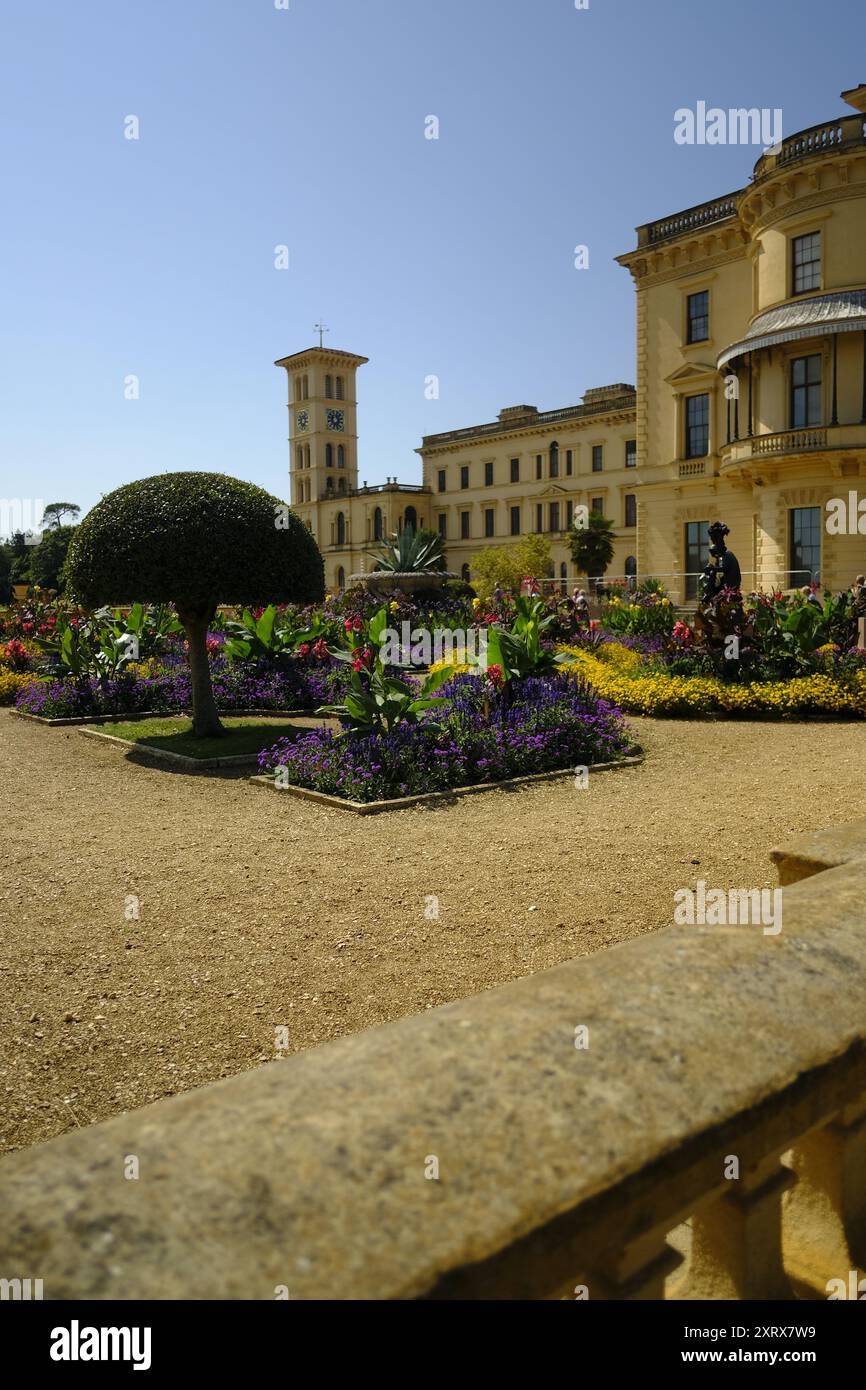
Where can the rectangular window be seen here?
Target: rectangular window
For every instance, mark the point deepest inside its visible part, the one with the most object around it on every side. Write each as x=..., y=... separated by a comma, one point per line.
x=806, y=402
x=441, y=480
x=538, y=465
x=631, y=453
x=442, y=522
x=698, y=317
x=596, y=504
x=554, y=516
x=464, y=476
x=805, y=546
x=488, y=521
x=597, y=458
x=488, y=475
x=515, y=521
x=697, y=552
x=515, y=470
x=464, y=526
x=539, y=519
x=806, y=267
x=630, y=509
x=569, y=515
x=554, y=462
x=569, y=462
x=697, y=426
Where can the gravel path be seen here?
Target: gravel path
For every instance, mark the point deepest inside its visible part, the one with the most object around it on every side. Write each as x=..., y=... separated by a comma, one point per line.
x=259, y=912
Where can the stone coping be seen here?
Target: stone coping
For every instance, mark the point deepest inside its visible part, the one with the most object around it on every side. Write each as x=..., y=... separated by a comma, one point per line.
x=164, y=755
x=703, y=1041
x=401, y=803
x=158, y=714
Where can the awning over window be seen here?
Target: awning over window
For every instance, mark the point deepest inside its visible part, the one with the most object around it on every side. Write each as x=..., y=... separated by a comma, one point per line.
x=807, y=318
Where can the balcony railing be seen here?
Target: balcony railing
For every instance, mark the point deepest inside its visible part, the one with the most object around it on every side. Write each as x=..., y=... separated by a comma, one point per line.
x=828, y=137
x=544, y=417
x=690, y=220
x=782, y=443
x=563, y=1170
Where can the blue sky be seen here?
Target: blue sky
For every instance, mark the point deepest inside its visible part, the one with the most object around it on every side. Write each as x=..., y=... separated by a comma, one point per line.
x=305, y=127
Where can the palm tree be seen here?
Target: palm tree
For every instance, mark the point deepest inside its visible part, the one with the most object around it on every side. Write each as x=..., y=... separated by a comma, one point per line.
x=592, y=547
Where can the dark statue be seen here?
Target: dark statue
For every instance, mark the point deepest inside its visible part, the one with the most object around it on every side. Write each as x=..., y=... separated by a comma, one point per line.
x=722, y=569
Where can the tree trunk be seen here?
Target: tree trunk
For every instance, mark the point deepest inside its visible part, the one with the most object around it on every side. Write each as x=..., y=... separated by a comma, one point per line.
x=196, y=620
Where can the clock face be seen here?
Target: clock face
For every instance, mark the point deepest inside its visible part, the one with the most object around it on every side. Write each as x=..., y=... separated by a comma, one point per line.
x=303, y=420
x=335, y=419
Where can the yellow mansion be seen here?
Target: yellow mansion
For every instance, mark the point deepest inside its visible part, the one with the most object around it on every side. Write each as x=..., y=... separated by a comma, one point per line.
x=750, y=404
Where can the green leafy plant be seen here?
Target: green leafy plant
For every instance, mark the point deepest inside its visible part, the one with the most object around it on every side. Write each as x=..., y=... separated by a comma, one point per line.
x=377, y=702
x=519, y=652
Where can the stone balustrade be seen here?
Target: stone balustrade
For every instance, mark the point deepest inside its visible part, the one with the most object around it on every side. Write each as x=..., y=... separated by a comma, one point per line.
x=708, y=1140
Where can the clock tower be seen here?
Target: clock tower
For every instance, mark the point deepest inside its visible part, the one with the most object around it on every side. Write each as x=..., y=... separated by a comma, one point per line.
x=323, y=428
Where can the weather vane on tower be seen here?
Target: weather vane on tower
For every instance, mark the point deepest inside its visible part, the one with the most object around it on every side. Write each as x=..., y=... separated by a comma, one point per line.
x=321, y=329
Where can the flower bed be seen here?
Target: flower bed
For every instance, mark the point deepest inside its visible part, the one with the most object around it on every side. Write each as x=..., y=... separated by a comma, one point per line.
x=294, y=687
x=622, y=678
x=475, y=737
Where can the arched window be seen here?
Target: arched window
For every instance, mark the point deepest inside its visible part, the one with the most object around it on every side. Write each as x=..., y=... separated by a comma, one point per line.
x=306, y=455
x=377, y=524
x=341, y=529
x=305, y=382
x=341, y=456
x=339, y=388
x=631, y=570
x=554, y=461
x=410, y=519
x=329, y=388
x=341, y=485
x=329, y=485
x=299, y=456
x=329, y=455
x=341, y=578
x=298, y=384
x=464, y=573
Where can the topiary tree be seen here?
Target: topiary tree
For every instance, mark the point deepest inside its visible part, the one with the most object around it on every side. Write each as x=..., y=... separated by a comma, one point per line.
x=195, y=540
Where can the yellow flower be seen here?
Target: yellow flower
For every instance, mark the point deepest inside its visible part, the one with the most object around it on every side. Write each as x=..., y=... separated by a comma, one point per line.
x=394, y=606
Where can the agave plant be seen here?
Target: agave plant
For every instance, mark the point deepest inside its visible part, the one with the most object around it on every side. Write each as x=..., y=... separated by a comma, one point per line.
x=410, y=552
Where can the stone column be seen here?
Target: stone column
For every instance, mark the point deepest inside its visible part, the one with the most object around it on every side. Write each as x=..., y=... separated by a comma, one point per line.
x=825, y=1214
x=737, y=1239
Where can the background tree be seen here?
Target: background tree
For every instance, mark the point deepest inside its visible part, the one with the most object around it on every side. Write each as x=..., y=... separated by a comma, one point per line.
x=56, y=511
x=48, y=557
x=506, y=565
x=19, y=553
x=5, y=577
x=592, y=547
x=195, y=540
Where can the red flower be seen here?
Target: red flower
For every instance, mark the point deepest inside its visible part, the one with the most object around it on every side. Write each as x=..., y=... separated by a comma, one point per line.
x=357, y=665
x=320, y=649
x=358, y=625
x=304, y=649
x=495, y=676
x=348, y=625
x=491, y=618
